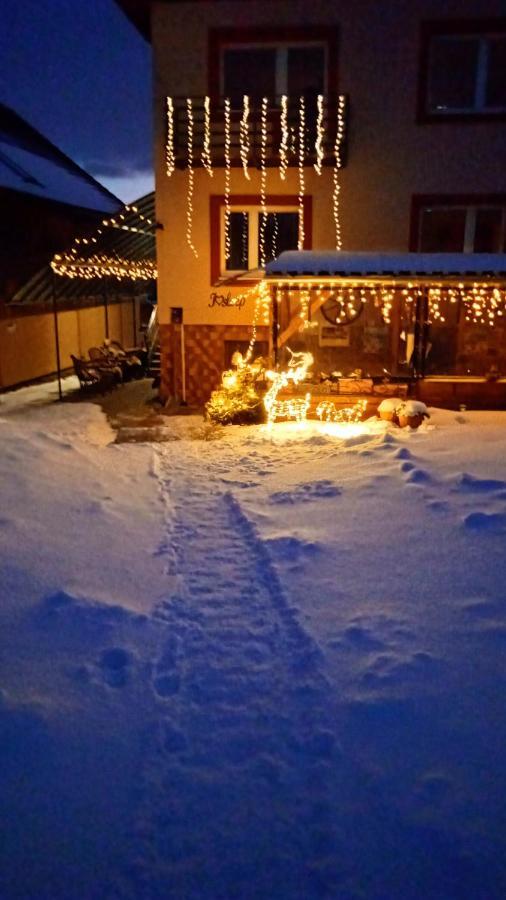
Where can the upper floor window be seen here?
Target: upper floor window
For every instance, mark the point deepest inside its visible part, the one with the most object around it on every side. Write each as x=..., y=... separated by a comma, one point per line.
x=270, y=71
x=450, y=226
x=270, y=62
x=464, y=70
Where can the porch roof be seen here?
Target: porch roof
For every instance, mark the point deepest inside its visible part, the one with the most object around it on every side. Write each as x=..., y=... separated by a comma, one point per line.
x=340, y=264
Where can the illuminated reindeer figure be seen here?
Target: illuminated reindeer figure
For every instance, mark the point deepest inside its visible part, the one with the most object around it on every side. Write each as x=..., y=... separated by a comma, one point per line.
x=296, y=407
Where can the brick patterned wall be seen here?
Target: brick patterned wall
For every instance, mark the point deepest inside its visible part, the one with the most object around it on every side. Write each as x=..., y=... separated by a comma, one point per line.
x=204, y=356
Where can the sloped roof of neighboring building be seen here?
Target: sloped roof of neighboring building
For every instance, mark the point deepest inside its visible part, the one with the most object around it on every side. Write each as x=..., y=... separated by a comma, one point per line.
x=362, y=264
x=128, y=244
x=31, y=164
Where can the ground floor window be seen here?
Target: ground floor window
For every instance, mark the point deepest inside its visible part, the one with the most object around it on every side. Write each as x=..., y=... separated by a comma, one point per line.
x=459, y=225
x=248, y=227
x=275, y=227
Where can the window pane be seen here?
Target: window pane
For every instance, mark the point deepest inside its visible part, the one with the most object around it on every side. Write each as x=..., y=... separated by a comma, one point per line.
x=250, y=71
x=306, y=71
x=281, y=233
x=452, y=73
x=496, y=81
x=488, y=234
x=238, y=231
x=442, y=230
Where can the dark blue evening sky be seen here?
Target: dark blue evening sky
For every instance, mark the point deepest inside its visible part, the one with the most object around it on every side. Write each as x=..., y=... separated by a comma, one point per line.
x=81, y=74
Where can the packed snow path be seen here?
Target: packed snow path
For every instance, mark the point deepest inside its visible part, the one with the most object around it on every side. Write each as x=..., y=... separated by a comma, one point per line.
x=247, y=737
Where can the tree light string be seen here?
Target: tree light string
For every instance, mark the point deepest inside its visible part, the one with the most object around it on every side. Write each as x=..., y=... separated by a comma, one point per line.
x=319, y=135
x=170, y=157
x=337, y=166
x=302, y=142
x=244, y=136
x=189, y=202
x=263, y=179
x=206, y=141
x=227, y=179
x=283, y=147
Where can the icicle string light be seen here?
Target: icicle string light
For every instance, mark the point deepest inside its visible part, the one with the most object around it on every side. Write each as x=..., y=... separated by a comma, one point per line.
x=227, y=179
x=206, y=143
x=319, y=135
x=189, y=200
x=283, y=147
x=263, y=178
x=337, y=166
x=170, y=157
x=244, y=136
x=302, y=143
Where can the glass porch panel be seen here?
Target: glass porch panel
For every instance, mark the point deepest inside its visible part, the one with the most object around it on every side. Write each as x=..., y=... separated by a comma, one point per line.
x=459, y=347
x=368, y=347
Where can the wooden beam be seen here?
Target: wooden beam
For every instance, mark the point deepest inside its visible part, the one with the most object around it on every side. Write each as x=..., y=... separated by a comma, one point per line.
x=297, y=321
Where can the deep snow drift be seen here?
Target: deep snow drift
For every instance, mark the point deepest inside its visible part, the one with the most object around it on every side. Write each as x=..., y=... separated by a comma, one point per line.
x=270, y=665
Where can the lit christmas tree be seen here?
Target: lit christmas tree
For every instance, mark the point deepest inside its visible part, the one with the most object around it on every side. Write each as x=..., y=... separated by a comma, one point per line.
x=238, y=400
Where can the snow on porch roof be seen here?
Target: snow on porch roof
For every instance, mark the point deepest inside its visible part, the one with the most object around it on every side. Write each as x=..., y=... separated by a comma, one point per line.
x=359, y=264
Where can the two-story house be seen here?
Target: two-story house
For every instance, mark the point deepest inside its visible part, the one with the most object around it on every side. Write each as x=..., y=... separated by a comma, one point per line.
x=284, y=124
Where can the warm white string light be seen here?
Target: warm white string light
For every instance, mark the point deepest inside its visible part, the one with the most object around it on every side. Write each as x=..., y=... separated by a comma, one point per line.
x=206, y=144
x=189, y=203
x=244, y=136
x=319, y=135
x=263, y=178
x=337, y=166
x=227, y=178
x=302, y=142
x=283, y=147
x=170, y=157
x=275, y=234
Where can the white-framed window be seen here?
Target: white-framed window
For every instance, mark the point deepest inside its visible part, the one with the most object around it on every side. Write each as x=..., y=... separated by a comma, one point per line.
x=462, y=228
x=273, y=69
x=245, y=231
x=466, y=73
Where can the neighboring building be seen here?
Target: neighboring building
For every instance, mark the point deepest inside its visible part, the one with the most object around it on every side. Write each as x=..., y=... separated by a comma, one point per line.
x=45, y=200
x=423, y=154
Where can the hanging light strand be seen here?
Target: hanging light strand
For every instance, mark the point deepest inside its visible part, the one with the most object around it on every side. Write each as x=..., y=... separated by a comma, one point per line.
x=275, y=234
x=263, y=178
x=337, y=166
x=244, y=136
x=283, y=147
x=227, y=179
x=206, y=144
x=319, y=135
x=302, y=142
x=190, y=191
x=170, y=157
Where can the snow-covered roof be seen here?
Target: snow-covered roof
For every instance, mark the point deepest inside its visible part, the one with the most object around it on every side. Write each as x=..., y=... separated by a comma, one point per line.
x=31, y=164
x=362, y=264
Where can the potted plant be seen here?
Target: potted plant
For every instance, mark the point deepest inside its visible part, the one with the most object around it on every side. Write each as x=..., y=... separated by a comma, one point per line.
x=411, y=413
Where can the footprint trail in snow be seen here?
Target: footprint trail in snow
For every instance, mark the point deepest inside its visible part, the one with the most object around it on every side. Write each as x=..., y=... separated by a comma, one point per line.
x=241, y=779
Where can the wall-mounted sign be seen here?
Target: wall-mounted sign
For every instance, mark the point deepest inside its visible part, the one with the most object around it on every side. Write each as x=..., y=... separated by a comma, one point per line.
x=334, y=336
x=226, y=300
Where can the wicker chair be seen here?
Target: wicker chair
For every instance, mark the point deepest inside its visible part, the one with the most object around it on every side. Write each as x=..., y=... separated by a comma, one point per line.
x=92, y=378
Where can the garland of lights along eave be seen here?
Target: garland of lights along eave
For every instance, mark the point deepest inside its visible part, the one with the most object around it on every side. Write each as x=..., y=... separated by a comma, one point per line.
x=74, y=264
x=291, y=144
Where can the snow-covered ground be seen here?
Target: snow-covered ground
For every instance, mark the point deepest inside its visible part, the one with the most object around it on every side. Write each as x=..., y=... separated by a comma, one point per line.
x=271, y=665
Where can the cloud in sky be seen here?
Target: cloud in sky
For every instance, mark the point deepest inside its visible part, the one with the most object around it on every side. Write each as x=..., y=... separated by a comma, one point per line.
x=131, y=186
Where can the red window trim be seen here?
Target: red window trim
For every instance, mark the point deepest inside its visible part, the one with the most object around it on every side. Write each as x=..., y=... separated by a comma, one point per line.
x=222, y=37
x=419, y=201
x=432, y=28
x=217, y=202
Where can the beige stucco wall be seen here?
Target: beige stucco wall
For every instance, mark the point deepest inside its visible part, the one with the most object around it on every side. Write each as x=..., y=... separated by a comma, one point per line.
x=390, y=156
x=27, y=343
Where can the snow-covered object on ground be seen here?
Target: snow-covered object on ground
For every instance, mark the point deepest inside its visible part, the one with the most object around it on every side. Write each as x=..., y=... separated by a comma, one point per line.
x=390, y=405
x=412, y=408
x=267, y=666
